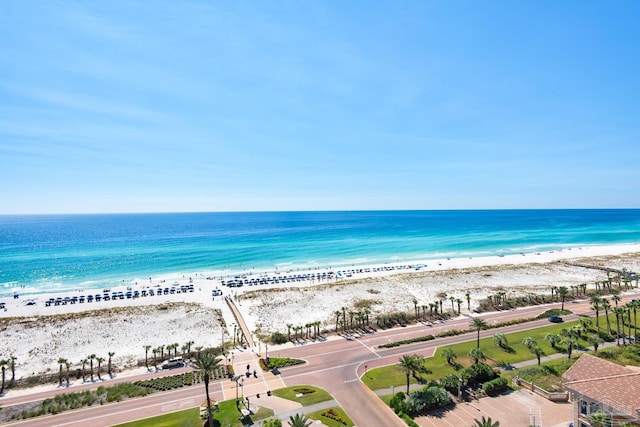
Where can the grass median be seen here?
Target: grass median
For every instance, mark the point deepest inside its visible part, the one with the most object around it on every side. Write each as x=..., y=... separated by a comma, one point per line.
x=393, y=375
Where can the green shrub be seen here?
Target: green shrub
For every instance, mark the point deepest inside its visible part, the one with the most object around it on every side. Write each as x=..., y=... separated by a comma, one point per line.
x=495, y=386
x=278, y=338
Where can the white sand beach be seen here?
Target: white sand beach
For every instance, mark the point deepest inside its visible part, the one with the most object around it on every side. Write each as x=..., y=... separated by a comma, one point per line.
x=38, y=335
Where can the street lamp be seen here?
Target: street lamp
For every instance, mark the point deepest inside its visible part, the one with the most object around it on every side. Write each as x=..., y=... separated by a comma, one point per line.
x=239, y=379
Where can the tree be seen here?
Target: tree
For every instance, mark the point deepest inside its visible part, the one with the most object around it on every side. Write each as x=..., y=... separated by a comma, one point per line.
x=12, y=363
x=501, y=341
x=67, y=365
x=272, y=422
x=337, y=313
x=478, y=323
x=529, y=342
x=415, y=307
x=411, y=364
x=571, y=343
x=477, y=355
x=109, y=365
x=537, y=351
x=600, y=419
x=92, y=357
x=84, y=364
x=449, y=355
x=606, y=306
x=485, y=422
x=459, y=302
x=190, y=343
x=562, y=292
x=553, y=339
x=99, y=360
x=146, y=356
x=3, y=366
x=595, y=341
x=206, y=363
x=467, y=295
x=595, y=305
x=299, y=420
x=289, y=326
x=61, y=361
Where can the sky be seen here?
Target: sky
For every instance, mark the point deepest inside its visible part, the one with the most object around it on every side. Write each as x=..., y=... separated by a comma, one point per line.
x=174, y=106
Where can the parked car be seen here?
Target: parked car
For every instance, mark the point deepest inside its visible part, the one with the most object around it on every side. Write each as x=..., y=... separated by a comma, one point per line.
x=555, y=319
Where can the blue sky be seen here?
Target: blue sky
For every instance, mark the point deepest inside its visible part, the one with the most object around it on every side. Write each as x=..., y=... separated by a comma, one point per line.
x=120, y=106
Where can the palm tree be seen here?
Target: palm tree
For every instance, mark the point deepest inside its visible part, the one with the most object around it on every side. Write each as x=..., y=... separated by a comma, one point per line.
x=478, y=323
x=477, y=355
x=12, y=363
x=486, y=422
x=634, y=305
x=3, y=366
x=61, y=361
x=155, y=352
x=562, y=291
x=338, y=314
x=595, y=341
x=100, y=360
x=146, y=356
x=344, y=319
x=111, y=354
x=595, y=305
x=84, y=364
x=189, y=344
x=529, y=342
x=411, y=364
x=289, y=326
x=449, y=355
x=606, y=305
x=206, y=363
x=553, y=339
x=67, y=365
x=571, y=343
x=298, y=420
x=537, y=351
x=415, y=307
x=501, y=340
x=467, y=295
x=618, y=313
x=92, y=357
x=600, y=419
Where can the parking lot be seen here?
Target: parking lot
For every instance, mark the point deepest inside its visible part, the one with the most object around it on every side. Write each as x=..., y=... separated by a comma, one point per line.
x=521, y=408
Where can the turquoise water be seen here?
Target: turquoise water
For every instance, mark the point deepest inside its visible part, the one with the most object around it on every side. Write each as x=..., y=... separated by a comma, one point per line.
x=43, y=253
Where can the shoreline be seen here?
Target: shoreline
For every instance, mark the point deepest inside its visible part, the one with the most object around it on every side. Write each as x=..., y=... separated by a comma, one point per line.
x=39, y=335
x=357, y=270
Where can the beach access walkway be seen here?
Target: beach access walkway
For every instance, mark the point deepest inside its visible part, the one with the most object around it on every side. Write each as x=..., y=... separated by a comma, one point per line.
x=240, y=322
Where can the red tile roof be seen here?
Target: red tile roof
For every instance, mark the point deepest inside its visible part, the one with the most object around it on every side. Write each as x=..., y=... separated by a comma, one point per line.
x=606, y=382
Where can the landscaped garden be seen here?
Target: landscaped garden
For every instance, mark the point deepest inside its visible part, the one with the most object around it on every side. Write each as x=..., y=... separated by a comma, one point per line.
x=472, y=365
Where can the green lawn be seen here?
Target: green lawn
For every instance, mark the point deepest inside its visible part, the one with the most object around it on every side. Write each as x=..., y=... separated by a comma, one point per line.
x=392, y=375
x=316, y=395
x=188, y=418
x=331, y=421
x=228, y=416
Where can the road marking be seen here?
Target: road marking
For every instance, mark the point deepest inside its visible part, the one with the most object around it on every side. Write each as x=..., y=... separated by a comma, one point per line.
x=351, y=380
x=322, y=370
x=370, y=349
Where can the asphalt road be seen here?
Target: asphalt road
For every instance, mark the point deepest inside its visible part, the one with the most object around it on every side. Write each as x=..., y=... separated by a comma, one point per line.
x=335, y=365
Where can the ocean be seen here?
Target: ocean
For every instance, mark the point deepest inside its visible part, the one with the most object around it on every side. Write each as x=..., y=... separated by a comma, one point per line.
x=45, y=253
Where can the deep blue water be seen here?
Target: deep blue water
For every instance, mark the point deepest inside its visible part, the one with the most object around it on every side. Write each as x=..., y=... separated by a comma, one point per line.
x=54, y=252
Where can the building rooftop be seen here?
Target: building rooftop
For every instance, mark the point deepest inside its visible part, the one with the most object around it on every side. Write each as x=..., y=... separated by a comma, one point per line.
x=602, y=381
